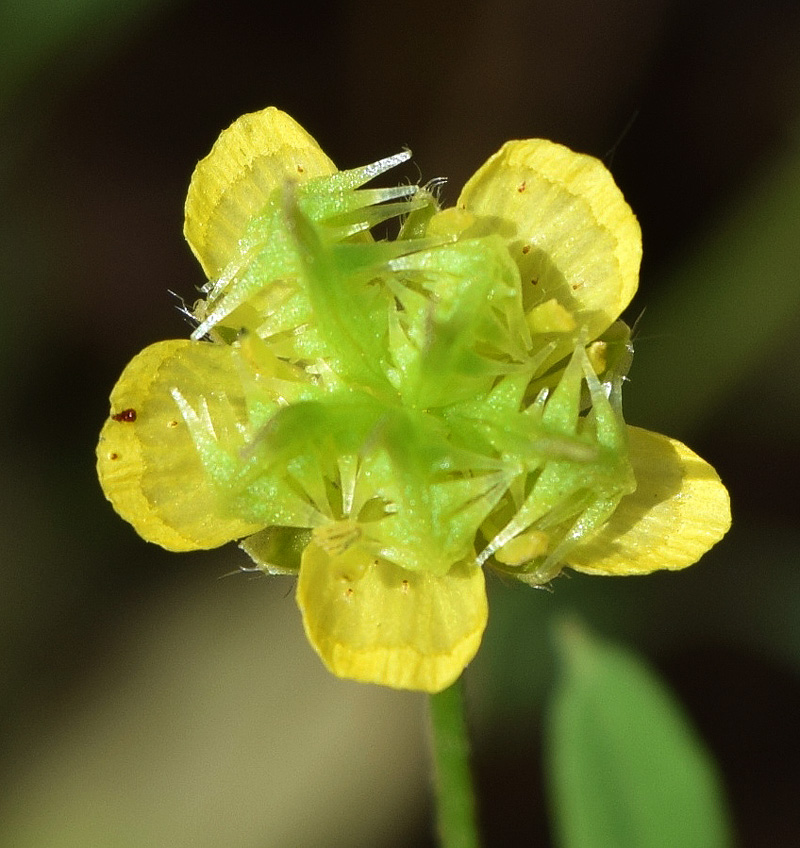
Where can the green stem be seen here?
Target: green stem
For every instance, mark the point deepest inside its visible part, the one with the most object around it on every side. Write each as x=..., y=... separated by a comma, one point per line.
x=455, y=798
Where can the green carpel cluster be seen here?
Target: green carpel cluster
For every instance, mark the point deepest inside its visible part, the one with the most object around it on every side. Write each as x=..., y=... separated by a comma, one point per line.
x=406, y=373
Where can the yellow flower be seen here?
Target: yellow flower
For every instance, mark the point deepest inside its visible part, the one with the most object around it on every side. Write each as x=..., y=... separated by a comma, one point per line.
x=383, y=418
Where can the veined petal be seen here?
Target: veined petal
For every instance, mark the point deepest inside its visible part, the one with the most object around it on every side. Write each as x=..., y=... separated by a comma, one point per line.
x=569, y=228
x=373, y=621
x=258, y=152
x=147, y=461
x=678, y=511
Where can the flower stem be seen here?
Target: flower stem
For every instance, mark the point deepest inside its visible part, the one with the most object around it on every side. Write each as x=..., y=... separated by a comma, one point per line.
x=455, y=797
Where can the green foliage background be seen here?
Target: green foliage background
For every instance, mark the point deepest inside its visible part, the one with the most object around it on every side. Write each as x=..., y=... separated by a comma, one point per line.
x=144, y=701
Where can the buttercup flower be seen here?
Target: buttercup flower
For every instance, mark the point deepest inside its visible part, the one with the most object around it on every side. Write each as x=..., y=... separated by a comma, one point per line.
x=384, y=418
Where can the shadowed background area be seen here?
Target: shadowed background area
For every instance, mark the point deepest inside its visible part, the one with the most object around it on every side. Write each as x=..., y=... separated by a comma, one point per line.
x=146, y=701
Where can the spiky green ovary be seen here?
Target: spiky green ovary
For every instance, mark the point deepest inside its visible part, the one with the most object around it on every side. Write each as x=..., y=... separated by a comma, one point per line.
x=397, y=385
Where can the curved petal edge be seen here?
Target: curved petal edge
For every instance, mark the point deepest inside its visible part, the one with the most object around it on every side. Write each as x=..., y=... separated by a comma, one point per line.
x=374, y=622
x=679, y=510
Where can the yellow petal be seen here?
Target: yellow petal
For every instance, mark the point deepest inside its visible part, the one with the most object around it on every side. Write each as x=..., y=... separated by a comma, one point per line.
x=678, y=511
x=550, y=317
x=146, y=460
x=372, y=621
x=570, y=230
x=255, y=154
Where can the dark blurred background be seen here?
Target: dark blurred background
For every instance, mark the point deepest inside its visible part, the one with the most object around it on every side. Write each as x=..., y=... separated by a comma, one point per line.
x=147, y=701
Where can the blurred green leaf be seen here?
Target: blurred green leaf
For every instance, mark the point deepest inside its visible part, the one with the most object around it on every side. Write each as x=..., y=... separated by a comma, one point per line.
x=725, y=307
x=37, y=32
x=625, y=768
